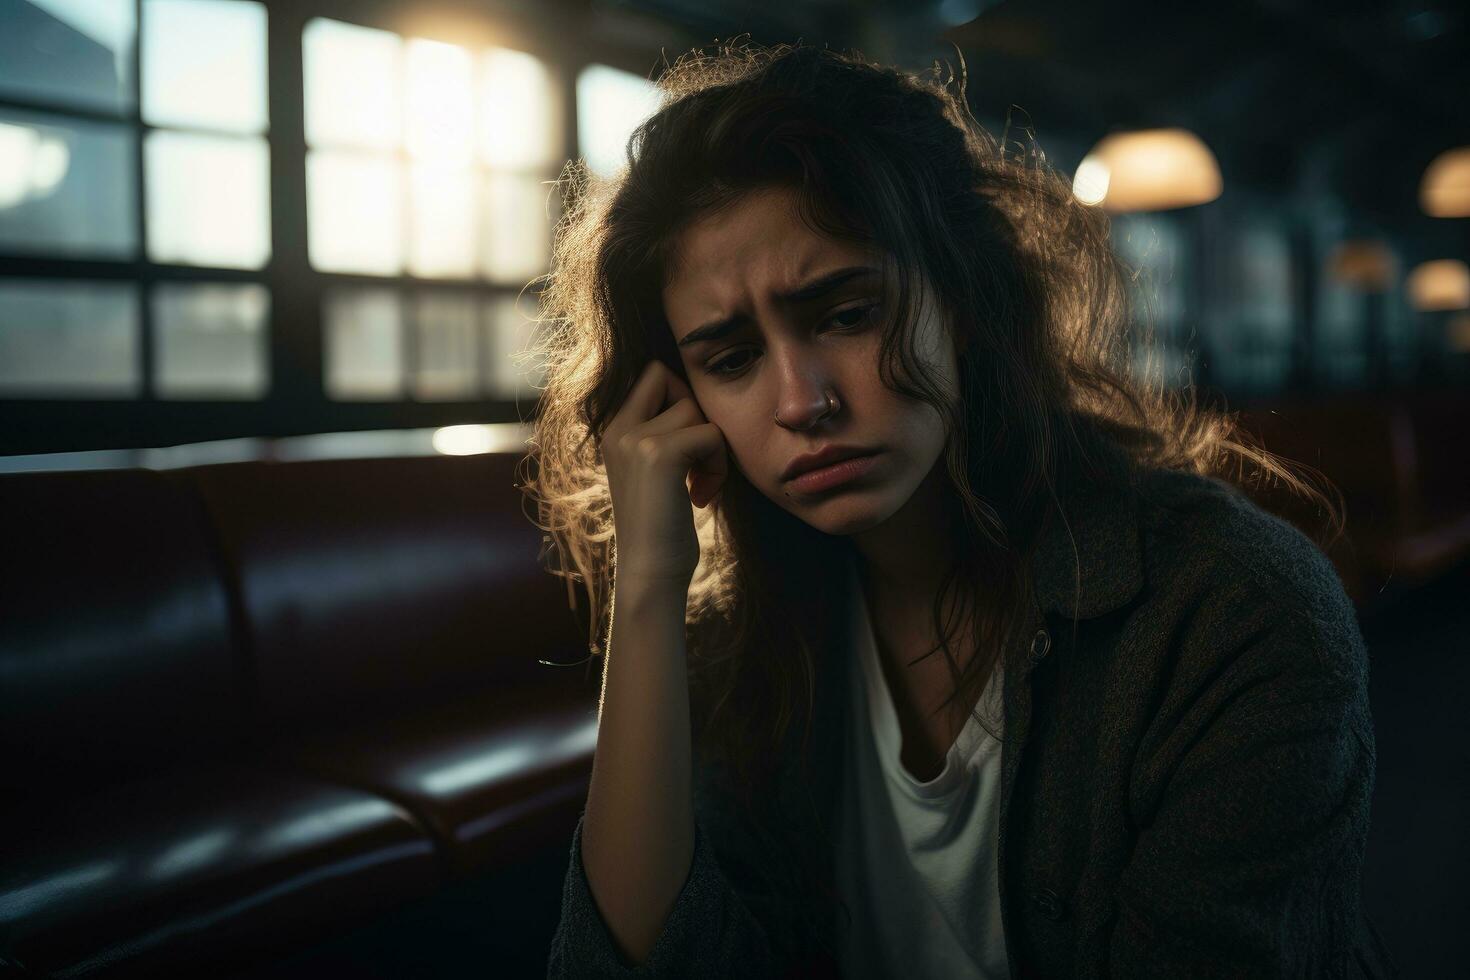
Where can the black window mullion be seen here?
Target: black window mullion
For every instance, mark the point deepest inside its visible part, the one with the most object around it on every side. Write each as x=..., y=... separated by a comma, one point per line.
x=147, y=356
x=294, y=325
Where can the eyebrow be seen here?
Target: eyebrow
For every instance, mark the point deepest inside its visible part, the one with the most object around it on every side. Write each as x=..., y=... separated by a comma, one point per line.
x=813, y=290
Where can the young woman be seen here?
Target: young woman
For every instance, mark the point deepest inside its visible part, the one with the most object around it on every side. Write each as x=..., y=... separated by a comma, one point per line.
x=940, y=645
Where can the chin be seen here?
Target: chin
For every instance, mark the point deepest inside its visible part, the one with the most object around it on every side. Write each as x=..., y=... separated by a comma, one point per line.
x=843, y=515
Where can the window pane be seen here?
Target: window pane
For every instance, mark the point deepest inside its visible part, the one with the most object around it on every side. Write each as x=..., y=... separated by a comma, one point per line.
x=204, y=64
x=508, y=332
x=520, y=114
x=354, y=212
x=211, y=340
x=364, y=344
x=192, y=218
x=352, y=77
x=1400, y=332
x=68, y=339
x=516, y=243
x=440, y=109
x=1153, y=247
x=1342, y=321
x=445, y=357
x=610, y=105
x=74, y=52
x=1253, y=347
x=442, y=232
x=66, y=186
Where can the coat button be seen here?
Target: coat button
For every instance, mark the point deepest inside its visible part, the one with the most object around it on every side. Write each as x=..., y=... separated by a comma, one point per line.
x=1040, y=646
x=1049, y=904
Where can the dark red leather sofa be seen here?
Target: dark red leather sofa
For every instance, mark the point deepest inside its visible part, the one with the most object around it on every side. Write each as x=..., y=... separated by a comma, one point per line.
x=1402, y=464
x=247, y=705
x=250, y=704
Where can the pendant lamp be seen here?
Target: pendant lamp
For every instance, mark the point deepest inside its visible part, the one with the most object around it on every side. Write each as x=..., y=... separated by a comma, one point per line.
x=1443, y=284
x=1148, y=170
x=1444, y=192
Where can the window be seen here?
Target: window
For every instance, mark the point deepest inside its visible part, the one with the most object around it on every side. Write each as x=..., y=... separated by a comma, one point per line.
x=610, y=105
x=1153, y=249
x=182, y=262
x=72, y=116
x=1253, y=336
x=208, y=174
x=71, y=337
x=427, y=161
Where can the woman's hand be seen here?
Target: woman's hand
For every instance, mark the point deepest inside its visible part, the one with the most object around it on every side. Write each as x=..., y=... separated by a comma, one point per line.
x=660, y=454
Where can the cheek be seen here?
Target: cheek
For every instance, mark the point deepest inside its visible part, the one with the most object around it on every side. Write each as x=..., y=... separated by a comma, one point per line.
x=744, y=442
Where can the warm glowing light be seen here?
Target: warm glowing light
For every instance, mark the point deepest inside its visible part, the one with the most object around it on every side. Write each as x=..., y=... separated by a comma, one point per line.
x=459, y=194
x=1091, y=182
x=1362, y=264
x=354, y=212
x=1445, y=190
x=441, y=238
x=353, y=85
x=1148, y=170
x=1443, y=284
x=515, y=233
x=464, y=440
x=440, y=110
x=32, y=163
x=520, y=115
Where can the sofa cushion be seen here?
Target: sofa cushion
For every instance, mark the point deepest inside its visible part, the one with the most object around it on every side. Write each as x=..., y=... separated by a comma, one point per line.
x=491, y=777
x=207, y=864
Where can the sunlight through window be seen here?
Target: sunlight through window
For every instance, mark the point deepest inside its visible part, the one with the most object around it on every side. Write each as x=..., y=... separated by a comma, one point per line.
x=354, y=212
x=520, y=115
x=455, y=192
x=610, y=105
x=439, y=102
x=190, y=219
x=204, y=64
x=353, y=85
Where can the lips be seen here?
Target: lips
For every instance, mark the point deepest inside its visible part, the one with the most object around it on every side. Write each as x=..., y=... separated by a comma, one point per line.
x=833, y=476
x=825, y=456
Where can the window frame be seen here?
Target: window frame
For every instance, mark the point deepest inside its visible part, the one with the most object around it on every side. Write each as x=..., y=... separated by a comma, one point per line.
x=296, y=401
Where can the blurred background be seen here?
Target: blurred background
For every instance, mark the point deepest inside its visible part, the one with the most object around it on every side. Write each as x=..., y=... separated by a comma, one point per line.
x=239, y=220
x=246, y=230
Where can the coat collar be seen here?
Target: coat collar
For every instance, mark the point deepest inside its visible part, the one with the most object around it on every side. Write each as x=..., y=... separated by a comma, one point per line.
x=1089, y=561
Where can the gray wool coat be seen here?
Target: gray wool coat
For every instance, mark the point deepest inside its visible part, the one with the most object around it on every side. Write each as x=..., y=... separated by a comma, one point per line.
x=1186, y=771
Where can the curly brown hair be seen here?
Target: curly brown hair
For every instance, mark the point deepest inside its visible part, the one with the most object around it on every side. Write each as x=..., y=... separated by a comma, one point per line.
x=1043, y=306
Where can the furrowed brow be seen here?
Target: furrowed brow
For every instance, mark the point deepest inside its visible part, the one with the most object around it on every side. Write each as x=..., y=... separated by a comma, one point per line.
x=815, y=289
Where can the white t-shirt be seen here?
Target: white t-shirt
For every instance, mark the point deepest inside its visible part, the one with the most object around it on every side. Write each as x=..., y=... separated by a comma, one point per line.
x=917, y=862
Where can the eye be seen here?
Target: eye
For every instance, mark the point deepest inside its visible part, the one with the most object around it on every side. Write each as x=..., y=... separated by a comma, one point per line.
x=850, y=320
x=722, y=368
x=854, y=316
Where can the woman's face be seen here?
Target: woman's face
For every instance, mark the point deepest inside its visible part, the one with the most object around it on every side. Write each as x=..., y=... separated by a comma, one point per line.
x=803, y=319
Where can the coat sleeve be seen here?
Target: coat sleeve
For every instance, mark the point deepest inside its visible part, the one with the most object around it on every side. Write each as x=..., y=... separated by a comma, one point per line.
x=709, y=932
x=1249, y=865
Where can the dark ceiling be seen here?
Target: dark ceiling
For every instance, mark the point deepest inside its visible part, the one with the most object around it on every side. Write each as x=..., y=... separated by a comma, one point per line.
x=1362, y=95
x=1353, y=98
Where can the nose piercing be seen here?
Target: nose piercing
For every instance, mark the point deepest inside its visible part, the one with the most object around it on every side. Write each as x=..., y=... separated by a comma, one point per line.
x=832, y=405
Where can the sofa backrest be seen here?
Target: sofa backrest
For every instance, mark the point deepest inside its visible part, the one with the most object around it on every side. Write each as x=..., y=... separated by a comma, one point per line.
x=1362, y=445
x=377, y=586
x=115, y=638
